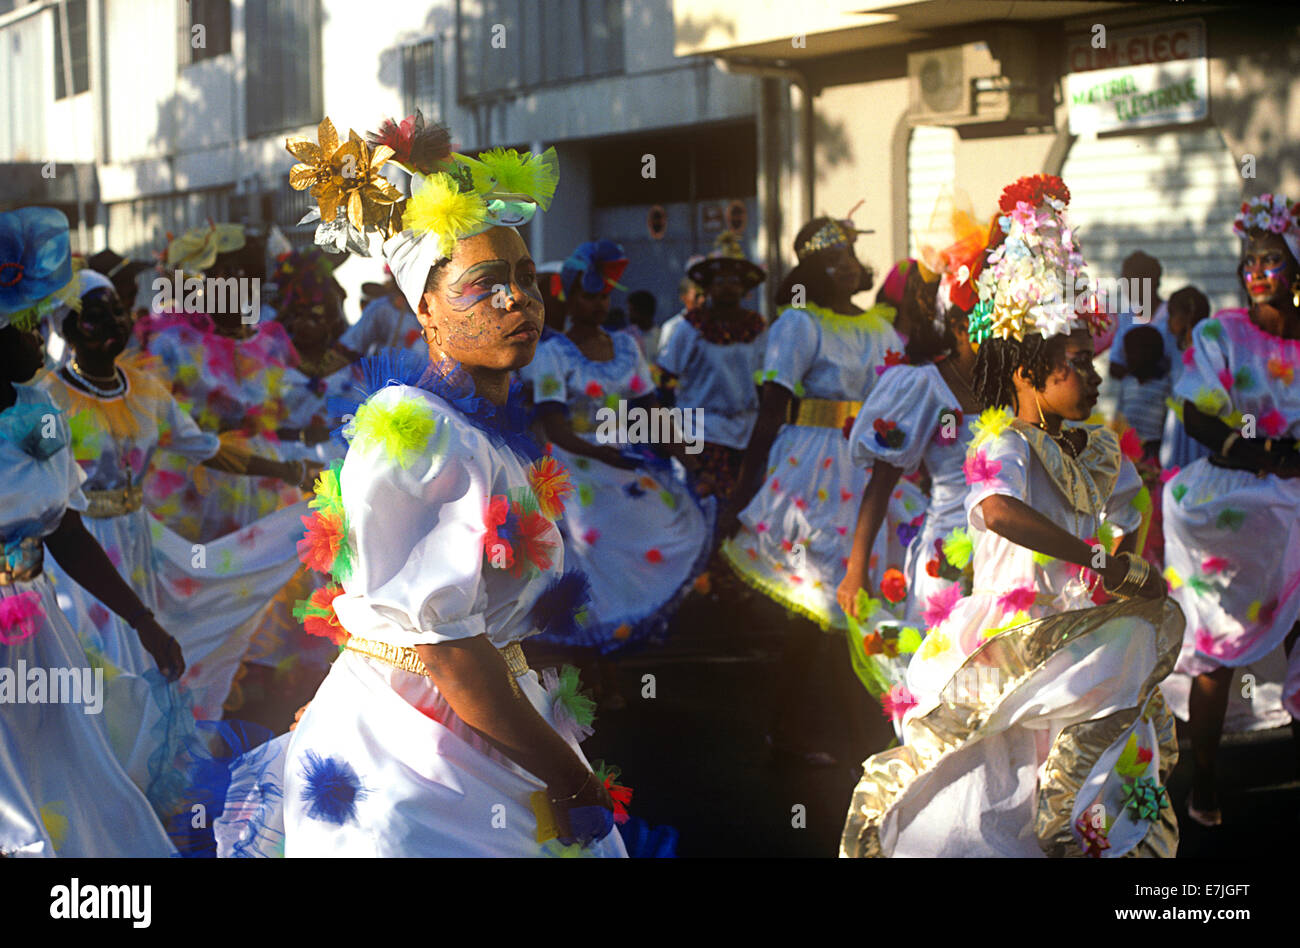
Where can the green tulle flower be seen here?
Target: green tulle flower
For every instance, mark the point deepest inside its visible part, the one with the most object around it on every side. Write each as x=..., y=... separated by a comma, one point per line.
x=909, y=640
x=1142, y=502
x=958, y=548
x=569, y=695
x=329, y=492
x=1230, y=519
x=1178, y=491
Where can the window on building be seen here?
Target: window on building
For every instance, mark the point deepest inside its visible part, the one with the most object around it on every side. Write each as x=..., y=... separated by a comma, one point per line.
x=283, y=41
x=422, y=86
x=213, y=39
x=563, y=40
x=77, y=42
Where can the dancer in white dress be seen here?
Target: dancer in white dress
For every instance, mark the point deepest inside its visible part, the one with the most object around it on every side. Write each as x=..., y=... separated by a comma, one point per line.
x=120, y=414
x=62, y=790
x=1232, y=532
x=634, y=528
x=1035, y=723
x=430, y=736
x=914, y=416
x=788, y=532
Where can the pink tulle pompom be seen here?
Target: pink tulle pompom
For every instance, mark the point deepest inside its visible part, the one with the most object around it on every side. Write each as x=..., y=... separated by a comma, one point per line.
x=20, y=613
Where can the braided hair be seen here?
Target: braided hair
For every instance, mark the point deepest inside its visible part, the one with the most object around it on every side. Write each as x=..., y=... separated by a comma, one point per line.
x=998, y=360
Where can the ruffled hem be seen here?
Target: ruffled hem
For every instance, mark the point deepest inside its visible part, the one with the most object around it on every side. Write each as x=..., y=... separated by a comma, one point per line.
x=654, y=624
x=774, y=590
x=961, y=719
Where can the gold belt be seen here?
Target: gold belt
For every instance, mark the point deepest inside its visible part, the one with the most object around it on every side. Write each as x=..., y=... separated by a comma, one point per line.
x=115, y=502
x=825, y=412
x=408, y=659
x=24, y=564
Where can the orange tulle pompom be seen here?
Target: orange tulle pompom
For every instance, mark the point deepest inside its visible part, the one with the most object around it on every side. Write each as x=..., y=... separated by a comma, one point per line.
x=320, y=545
x=893, y=586
x=318, y=617
x=550, y=482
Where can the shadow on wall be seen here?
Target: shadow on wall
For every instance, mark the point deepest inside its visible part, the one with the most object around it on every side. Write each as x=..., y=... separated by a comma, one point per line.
x=832, y=147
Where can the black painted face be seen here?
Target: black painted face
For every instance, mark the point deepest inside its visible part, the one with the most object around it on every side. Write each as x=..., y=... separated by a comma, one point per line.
x=23, y=355
x=103, y=325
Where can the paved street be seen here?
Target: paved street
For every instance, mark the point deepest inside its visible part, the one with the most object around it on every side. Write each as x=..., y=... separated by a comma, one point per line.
x=696, y=757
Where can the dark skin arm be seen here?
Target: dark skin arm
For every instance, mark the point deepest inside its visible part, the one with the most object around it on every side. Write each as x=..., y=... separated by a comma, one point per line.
x=773, y=406
x=1282, y=460
x=871, y=514
x=473, y=677
x=559, y=432
x=1025, y=526
x=82, y=558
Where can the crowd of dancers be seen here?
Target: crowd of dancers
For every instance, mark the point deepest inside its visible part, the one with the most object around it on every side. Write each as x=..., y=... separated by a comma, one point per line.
x=256, y=513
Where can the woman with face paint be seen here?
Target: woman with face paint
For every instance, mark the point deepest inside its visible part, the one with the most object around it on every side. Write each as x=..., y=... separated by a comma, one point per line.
x=1037, y=710
x=1232, y=533
x=120, y=415
x=62, y=790
x=431, y=736
x=636, y=530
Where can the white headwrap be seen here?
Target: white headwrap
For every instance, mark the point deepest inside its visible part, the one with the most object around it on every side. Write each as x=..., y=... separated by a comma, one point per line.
x=87, y=282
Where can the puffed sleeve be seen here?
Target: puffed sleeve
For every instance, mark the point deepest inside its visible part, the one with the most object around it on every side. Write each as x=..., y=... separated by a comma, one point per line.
x=898, y=420
x=791, y=349
x=1122, y=510
x=1206, y=377
x=675, y=346
x=1001, y=466
x=415, y=491
x=183, y=434
x=547, y=374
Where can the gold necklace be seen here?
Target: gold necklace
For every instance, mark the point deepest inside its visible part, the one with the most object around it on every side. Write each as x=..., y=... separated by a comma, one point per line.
x=87, y=377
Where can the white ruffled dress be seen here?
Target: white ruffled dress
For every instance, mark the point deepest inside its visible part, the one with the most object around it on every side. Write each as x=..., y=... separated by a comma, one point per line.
x=641, y=536
x=1036, y=724
x=1232, y=539
x=380, y=765
x=797, y=532
x=62, y=790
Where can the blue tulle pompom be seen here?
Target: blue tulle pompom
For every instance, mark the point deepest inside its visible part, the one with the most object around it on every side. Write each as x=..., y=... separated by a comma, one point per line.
x=333, y=789
x=556, y=611
x=644, y=841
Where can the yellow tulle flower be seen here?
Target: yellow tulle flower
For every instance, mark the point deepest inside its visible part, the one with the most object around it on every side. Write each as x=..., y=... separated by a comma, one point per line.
x=437, y=206
x=1172, y=577
x=550, y=483
x=401, y=431
x=934, y=643
x=991, y=423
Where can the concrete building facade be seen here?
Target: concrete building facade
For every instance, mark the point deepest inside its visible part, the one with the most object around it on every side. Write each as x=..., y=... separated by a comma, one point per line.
x=168, y=112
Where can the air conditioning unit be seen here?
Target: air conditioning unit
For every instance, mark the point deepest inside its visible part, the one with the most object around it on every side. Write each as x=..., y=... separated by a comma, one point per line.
x=979, y=82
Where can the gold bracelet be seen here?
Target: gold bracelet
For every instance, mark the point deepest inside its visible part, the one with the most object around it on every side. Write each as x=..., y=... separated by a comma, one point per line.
x=575, y=796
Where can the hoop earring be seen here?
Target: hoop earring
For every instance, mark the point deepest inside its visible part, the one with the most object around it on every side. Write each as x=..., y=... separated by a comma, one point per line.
x=1042, y=421
x=424, y=334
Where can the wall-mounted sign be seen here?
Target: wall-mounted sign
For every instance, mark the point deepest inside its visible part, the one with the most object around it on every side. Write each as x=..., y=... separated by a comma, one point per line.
x=737, y=217
x=656, y=221
x=711, y=218
x=1151, y=75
